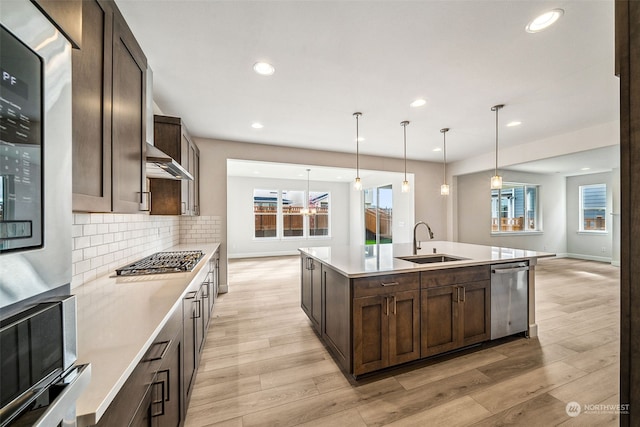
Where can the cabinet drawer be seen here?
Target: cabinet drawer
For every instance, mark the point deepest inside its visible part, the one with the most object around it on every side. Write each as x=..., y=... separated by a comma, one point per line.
x=380, y=285
x=454, y=276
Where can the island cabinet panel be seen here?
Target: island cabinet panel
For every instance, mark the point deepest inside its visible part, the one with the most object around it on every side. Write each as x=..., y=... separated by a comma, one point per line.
x=311, y=291
x=386, y=321
x=336, y=316
x=456, y=309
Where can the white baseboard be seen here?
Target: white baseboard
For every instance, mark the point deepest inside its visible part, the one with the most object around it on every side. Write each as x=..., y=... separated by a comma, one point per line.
x=262, y=254
x=590, y=257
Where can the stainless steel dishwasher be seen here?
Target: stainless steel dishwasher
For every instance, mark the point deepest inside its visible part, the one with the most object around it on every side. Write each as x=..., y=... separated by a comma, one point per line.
x=509, y=298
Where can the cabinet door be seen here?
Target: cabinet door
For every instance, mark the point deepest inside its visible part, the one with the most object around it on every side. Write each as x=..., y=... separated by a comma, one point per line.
x=316, y=294
x=185, y=201
x=370, y=334
x=91, y=110
x=166, y=407
x=305, y=285
x=142, y=416
x=128, y=119
x=196, y=182
x=475, y=299
x=439, y=327
x=189, y=353
x=404, y=327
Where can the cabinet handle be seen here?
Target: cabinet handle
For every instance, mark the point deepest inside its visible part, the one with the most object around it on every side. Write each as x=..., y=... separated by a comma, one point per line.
x=158, y=401
x=199, y=310
x=386, y=303
x=190, y=295
x=457, y=298
x=183, y=209
x=464, y=294
x=167, y=372
x=390, y=284
x=205, y=285
x=394, y=304
x=166, y=345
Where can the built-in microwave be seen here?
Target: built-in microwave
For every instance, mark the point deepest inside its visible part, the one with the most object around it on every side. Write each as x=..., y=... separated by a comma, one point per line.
x=21, y=151
x=37, y=346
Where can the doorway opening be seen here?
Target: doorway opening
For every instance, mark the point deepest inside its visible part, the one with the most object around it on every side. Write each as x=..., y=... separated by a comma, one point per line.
x=378, y=215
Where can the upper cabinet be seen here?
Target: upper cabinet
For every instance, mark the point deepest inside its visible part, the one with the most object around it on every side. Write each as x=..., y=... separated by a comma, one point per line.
x=109, y=75
x=175, y=197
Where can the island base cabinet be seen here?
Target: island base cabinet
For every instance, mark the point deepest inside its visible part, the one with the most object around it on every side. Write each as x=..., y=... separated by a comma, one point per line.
x=336, y=316
x=311, y=291
x=455, y=316
x=386, y=330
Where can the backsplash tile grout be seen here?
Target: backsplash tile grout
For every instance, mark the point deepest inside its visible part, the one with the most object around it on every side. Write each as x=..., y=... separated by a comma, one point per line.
x=103, y=242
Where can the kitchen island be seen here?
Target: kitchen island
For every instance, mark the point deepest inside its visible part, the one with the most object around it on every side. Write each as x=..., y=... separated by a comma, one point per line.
x=378, y=306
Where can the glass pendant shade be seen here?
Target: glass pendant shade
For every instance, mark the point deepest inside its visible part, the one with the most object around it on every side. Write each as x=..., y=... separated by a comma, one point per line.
x=444, y=190
x=357, y=184
x=496, y=182
x=405, y=186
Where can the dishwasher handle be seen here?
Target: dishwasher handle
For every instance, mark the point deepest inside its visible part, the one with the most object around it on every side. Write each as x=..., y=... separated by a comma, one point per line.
x=509, y=270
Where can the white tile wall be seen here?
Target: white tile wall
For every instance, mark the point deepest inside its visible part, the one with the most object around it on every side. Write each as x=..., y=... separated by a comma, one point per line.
x=200, y=229
x=104, y=242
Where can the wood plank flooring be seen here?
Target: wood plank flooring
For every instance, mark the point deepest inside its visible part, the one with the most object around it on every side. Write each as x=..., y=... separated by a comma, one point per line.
x=264, y=366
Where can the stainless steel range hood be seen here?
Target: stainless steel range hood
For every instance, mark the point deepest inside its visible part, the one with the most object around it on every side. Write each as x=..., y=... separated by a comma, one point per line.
x=160, y=165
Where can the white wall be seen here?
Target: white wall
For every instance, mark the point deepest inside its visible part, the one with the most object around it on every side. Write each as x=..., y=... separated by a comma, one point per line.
x=594, y=246
x=473, y=212
x=241, y=242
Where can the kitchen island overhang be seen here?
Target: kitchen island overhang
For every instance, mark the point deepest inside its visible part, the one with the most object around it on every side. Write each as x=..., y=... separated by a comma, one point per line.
x=375, y=307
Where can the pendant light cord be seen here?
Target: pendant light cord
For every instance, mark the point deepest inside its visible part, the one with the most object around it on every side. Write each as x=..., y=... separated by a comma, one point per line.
x=496, y=169
x=357, y=116
x=405, y=152
x=444, y=144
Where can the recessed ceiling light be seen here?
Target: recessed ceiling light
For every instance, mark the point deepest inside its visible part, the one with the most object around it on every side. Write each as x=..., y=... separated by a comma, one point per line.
x=585, y=169
x=514, y=123
x=418, y=102
x=437, y=149
x=264, y=68
x=544, y=21
x=257, y=125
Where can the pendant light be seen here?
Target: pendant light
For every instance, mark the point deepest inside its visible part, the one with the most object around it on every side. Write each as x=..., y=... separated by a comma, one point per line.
x=405, y=183
x=357, y=184
x=496, y=180
x=444, y=188
x=307, y=210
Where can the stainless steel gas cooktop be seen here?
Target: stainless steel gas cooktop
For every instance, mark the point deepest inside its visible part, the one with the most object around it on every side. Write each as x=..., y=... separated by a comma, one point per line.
x=162, y=262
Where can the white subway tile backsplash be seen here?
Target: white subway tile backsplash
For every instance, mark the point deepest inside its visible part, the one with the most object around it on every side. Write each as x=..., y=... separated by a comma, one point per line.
x=104, y=242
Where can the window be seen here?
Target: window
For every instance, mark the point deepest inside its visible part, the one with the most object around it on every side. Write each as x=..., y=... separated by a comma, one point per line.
x=593, y=206
x=278, y=214
x=319, y=223
x=292, y=218
x=265, y=212
x=514, y=208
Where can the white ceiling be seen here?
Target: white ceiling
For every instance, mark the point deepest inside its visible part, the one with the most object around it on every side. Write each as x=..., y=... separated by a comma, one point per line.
x=333, y=58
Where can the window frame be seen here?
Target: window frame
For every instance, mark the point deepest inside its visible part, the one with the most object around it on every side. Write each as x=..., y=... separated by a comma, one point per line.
x=537, y=217
x=581, y=209
x=280, y=217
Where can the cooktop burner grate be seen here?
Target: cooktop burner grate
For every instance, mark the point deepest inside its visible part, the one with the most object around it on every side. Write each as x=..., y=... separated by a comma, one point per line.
x=162, y=262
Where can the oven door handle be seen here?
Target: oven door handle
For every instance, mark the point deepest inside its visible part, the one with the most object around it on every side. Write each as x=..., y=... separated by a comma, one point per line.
x=64, y=406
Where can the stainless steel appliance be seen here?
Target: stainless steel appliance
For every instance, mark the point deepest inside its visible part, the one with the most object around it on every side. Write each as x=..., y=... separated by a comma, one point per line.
x=162, y=262
x=39, y=382
x=509, y=298
x=36, y=169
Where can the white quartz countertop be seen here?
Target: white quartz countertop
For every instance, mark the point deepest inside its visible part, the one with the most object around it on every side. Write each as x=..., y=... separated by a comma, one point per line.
x=372, y=260
x=118, y=319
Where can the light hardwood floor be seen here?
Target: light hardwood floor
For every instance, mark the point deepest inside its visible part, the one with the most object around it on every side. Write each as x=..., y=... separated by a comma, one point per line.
x=264, y=366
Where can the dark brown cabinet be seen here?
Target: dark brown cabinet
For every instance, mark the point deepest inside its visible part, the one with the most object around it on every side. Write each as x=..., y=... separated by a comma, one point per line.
x=311, y=291
x=108, y=110
x=456, y=309
x=336, y=315
x=175, y=197
x=386, y=321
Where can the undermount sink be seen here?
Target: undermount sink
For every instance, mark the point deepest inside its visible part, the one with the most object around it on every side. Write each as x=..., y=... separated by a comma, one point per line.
x=428, y=259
